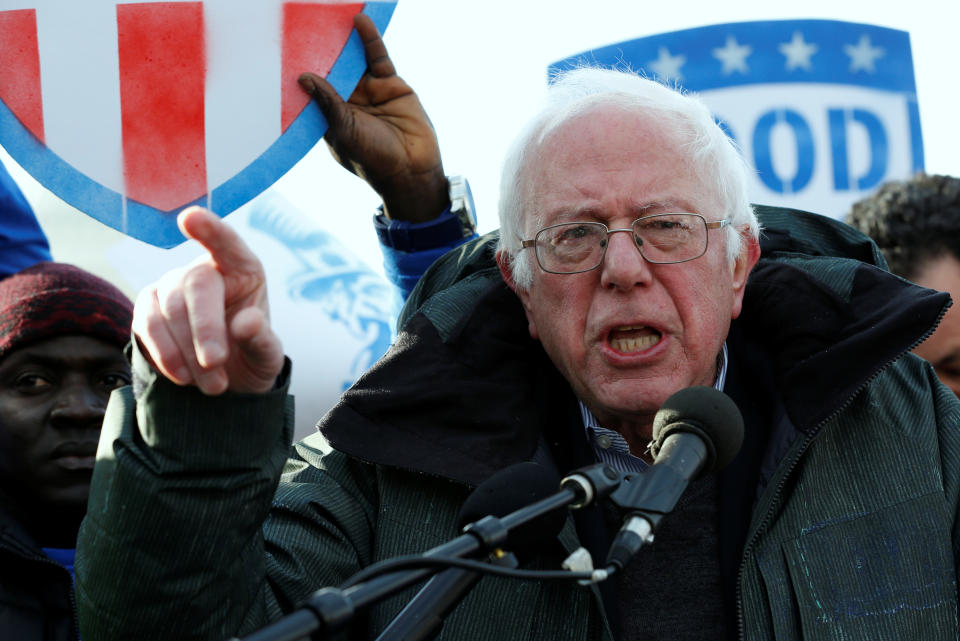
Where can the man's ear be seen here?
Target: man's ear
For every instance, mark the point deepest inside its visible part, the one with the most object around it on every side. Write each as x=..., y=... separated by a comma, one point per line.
x=505, y=264
x=744, y=264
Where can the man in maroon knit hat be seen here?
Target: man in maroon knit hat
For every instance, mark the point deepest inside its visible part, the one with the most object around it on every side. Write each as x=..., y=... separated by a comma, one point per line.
x=62, y=334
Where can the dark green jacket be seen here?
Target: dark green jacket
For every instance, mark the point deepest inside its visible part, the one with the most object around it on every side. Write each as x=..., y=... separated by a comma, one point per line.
x=841, y=507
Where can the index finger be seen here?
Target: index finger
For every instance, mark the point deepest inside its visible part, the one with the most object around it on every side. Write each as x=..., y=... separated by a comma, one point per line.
x=375, y=52
x=228, y=251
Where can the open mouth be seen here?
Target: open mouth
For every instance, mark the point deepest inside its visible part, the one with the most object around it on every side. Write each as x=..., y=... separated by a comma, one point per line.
x=633, y=339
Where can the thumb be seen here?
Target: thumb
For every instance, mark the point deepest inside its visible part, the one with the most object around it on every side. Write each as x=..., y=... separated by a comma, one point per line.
x=259, y=351
x=323, y=93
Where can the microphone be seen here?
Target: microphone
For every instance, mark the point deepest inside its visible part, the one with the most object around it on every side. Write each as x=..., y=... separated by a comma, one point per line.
x=511, y=489
x=508, y=490
x=696, y=431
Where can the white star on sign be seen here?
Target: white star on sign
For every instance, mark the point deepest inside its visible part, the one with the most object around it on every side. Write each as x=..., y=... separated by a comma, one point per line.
x=798, y=52
x=863, y=55
x=733, y=56
x=667, y=66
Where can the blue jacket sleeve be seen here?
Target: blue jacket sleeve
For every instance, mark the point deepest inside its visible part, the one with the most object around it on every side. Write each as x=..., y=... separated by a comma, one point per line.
x=22, y=242
x=410, y=248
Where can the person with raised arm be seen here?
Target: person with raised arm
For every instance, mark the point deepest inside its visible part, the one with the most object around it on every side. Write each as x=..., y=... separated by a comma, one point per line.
x=629, y=265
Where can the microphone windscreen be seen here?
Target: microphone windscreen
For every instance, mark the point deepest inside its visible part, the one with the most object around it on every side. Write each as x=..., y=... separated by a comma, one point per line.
x=705, y=411
x=511, y=489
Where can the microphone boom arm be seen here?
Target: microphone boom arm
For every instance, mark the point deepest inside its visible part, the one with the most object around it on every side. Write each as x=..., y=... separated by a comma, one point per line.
x=330, y=609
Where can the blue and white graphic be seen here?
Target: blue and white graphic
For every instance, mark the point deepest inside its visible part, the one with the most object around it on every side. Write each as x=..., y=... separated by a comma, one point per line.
x=334, y=314
x=326, y=285
x=825, y=111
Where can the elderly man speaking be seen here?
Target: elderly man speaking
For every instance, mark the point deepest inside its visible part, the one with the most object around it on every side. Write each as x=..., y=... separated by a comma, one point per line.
x=628, y=267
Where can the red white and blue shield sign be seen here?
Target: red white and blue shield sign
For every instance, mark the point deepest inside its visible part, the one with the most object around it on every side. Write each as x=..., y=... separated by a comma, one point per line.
x=131, y=111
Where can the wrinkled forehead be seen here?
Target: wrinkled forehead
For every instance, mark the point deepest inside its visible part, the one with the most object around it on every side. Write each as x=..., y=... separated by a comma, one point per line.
x=647, y=152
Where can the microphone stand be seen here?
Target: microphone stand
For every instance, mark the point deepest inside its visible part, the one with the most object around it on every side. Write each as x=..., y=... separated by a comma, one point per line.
x=423, y=616
x=329, y=609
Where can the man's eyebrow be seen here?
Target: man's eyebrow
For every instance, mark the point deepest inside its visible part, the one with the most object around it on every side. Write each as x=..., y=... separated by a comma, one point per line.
x=591, y=212
x=668, y=207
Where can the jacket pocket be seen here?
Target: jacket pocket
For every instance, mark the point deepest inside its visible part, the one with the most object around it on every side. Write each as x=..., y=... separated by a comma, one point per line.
x=885, y=575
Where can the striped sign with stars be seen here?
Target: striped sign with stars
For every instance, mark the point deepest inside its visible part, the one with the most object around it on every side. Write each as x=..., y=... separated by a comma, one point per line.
x=825, y=111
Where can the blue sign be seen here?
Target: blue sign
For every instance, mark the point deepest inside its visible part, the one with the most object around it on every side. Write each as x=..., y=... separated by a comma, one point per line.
x=825, y=111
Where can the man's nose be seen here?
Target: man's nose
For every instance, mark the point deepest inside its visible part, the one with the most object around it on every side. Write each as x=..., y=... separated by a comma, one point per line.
x=623, y=265
x=78, y=404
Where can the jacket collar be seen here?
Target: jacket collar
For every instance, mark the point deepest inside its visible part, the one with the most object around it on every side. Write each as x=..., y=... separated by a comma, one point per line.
x=830, y=317
x=459, y=402
x=13, y=535
x=459, y=393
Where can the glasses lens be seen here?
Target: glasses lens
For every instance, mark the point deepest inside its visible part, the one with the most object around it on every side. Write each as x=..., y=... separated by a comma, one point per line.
x=671, y=238
x=571, y=247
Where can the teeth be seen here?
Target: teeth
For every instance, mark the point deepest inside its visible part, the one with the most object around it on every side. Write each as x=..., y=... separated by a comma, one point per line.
x=631, y=345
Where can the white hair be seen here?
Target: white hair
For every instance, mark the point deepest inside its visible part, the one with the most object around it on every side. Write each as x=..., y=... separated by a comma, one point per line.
x=685, y=119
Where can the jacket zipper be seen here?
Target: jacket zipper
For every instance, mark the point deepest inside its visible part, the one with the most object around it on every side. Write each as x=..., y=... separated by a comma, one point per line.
x=47, y=561
x=805, y=443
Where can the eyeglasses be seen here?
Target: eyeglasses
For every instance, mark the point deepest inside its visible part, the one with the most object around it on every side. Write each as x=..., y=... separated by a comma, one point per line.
x=572, y=248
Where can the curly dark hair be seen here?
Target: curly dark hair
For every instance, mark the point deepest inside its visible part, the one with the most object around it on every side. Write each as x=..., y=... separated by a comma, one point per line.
x=912, y=221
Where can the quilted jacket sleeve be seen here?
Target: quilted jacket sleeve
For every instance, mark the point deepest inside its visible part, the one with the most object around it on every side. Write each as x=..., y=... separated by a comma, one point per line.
x=175, y=545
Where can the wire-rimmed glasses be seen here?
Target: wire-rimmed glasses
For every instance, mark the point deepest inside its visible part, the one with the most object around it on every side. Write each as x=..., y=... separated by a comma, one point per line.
x=572, y=248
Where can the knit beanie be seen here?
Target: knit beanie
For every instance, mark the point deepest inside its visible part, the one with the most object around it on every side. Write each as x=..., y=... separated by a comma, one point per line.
x=56, y=299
